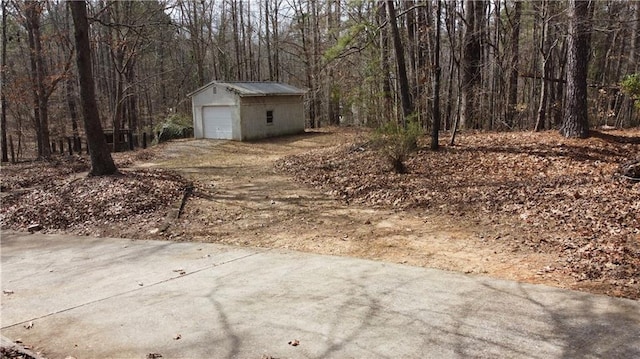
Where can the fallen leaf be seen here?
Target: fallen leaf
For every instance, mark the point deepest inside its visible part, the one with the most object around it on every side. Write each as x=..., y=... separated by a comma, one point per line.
x=538, y=184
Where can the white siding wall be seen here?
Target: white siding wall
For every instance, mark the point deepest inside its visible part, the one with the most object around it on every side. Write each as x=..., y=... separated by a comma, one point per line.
x=206, y=97
x=288, y=116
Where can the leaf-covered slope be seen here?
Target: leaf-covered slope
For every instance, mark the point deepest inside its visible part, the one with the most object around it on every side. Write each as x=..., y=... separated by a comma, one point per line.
x=556, y=194
x=59, y=198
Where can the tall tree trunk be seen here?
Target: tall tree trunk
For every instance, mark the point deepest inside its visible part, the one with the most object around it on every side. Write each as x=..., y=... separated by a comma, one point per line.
x=118, y=114
x=435, y=125
x=453, y=62
x=268, y=40
x=576, y=123
x=560, y=85
x=132, y=98
x=243, y=43
x=71, y=106
x=41, y=75
x=545, y=55
x=3, y=82
x=410, y=24
x=101, y=160
x=236, y=38
x=275, y=37
x=315, y=46
x=197, y=38
x=512, y=98
x=332, y=89
x=493, y=58
x=70, y=91
x=450, y=100
x=403, y=81
x=384, y=63
x=32, y=12
x=304, y=23
x=472, y=64
x=29, y=10
x=635, y=38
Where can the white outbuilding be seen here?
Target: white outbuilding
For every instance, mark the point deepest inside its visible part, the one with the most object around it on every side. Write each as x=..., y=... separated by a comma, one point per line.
x=247, y=110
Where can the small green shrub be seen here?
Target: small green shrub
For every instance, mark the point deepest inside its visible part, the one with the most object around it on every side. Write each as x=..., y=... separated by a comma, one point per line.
x=631, y=86
x=396, y=143
x=174, y=126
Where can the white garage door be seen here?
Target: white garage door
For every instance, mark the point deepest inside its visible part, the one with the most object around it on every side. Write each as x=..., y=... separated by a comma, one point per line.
x=217, y=123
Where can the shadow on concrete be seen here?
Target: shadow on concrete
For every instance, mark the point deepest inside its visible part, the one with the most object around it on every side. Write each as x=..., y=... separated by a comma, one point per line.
x=583, y=328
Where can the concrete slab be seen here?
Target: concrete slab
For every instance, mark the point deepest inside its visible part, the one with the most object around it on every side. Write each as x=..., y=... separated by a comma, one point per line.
x=250, y=303
x=48, y=274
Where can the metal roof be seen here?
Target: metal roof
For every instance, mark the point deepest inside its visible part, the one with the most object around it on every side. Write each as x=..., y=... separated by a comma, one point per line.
x=254, y=88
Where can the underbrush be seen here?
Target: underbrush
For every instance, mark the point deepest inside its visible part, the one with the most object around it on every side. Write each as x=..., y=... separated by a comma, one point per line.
x=396, y=143
x=173, y=127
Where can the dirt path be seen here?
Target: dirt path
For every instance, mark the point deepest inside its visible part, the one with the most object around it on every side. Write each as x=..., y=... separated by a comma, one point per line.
x=242, y=200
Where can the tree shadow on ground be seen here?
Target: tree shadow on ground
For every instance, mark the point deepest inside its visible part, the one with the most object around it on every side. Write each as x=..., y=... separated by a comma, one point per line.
x=575, y=153
x=583, y=325
x=287, y=139
x=611, y=138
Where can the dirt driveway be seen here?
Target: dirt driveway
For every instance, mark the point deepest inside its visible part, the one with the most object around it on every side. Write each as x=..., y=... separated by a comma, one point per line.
x=241, y=199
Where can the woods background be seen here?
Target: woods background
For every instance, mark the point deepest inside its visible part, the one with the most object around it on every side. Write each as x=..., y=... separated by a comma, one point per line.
x=500, y=64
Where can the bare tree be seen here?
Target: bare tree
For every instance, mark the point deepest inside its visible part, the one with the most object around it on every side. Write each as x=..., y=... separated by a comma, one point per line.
x=635, y=38
x=332, y=89
x=472, y=63
x=545, y=50
x=435, y=123
x=384, y=61
x=575, y=122
x=514, y=50
x=101, y=160
x=33, y=10
x=3, y=71
x=403, y=81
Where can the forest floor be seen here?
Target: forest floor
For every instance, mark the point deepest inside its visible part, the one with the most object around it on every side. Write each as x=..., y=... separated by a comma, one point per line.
x=532, y=207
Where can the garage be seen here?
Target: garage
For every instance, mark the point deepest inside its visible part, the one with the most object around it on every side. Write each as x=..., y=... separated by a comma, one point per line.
x=216, y=122
x=247, y=110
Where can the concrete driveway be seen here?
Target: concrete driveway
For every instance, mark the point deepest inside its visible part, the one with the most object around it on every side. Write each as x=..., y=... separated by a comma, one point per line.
x=116, y=298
